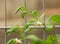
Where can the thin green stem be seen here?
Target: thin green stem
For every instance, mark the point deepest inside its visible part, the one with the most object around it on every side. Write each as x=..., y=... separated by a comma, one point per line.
x=25, y=8
x=24, y=23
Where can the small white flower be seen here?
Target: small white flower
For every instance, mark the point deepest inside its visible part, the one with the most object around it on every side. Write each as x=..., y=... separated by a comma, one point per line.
x=18, y=41
x=38, y=23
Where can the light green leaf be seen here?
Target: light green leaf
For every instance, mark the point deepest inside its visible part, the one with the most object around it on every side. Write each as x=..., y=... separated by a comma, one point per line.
x=55, y=19
x=12, y=41
x=34, y=13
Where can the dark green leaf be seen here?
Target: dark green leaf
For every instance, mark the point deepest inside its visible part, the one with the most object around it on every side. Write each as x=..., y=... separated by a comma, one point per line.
x=20, y=8
x=55, y=18
x=24, y=13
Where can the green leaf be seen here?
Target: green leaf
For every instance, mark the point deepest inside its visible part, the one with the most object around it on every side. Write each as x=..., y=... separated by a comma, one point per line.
x=12, y=41
x=50, y=39
x=34, y=13
x=27, y=30
x=24, y=13
x=35, y=40
x=14, y=29
x=41, y=19
x=55, y=18
x=20, y=8
x=29, y=24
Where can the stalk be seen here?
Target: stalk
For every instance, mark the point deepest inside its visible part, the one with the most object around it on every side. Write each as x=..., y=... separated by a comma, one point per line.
x=24, y=42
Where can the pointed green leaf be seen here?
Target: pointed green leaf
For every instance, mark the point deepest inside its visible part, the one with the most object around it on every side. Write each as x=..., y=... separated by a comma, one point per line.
x=20, y=8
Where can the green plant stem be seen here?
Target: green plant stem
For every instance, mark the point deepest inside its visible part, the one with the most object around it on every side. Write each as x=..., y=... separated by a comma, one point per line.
x=23, y=37
x=25, y=8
